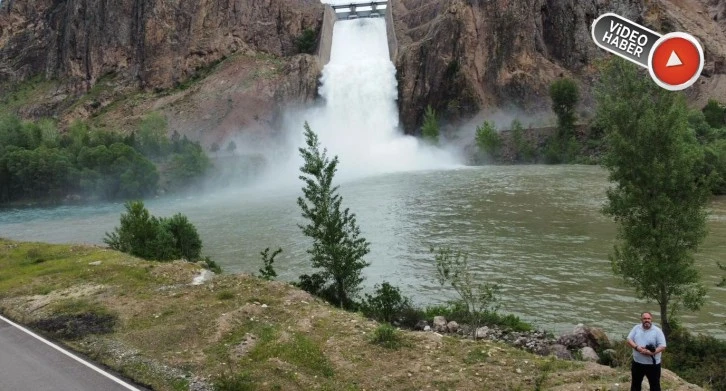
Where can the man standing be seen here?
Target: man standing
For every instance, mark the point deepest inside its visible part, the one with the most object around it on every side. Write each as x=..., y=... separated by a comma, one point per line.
x=647, y=342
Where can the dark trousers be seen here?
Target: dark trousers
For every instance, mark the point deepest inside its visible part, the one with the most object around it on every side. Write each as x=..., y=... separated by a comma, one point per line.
x=652, y=372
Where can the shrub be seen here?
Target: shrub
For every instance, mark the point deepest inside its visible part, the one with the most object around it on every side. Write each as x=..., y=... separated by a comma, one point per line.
x=386, y=305
x=268, y=272
x=488, y=139
x=306, y=42
x=387, y=336
x=149, y=237
x=430, y=127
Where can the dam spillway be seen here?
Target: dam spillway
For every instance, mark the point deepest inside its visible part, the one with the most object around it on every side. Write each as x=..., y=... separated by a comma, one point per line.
x=345, y=10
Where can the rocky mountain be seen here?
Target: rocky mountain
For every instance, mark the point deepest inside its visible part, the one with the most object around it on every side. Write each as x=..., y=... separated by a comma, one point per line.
x=462, y=56
x=214, y=67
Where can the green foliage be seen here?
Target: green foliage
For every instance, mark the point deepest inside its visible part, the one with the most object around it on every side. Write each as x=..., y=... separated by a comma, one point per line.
x=715, y=114
x=37, y=162
x=116, y=171
x=387, y=304
x=452, y=268
x=565, y=95
x=430, y=127
x=387, y=336
x=234, y=382
x=698, y=359
x=212, y=266
x=149, y=237
x=151, y=137
x=268, y=272
x=488, y=139
x=563, y=148
x=456, y=310
x=523, y=149
x=660, y=190
x=338, y=249
x=307, y=41
x=187, y=163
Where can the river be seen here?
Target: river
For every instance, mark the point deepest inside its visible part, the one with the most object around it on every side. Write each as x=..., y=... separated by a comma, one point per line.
x=535, y=230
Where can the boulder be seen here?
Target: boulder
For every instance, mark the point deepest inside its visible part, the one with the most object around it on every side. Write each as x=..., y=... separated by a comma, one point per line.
x=440, y=324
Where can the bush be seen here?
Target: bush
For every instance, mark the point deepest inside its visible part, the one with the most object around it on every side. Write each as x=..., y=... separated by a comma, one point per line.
x=698, y=359
x=386, y=305
x=488, y=140
x=306, y=42
x=149, y=237
x=430, y=127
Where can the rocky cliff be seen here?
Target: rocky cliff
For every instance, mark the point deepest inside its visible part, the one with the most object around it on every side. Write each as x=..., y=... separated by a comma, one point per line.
x=460, y=56
x=156, y=43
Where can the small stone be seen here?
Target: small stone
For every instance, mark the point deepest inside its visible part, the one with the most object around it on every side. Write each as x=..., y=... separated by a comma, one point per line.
x=96, y=263
x=264, y=306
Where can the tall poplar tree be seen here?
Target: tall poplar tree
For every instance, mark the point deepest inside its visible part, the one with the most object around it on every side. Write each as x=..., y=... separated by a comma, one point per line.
x=660, y=190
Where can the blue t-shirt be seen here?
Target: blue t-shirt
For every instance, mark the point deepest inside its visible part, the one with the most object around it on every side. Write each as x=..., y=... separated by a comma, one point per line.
x=642, y=337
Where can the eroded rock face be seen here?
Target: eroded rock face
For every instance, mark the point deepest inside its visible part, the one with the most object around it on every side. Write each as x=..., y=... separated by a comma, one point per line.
x=463, y=56
x=154, y=43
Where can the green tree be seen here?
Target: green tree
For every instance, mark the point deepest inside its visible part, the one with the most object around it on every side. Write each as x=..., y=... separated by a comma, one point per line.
x=185, y=239
x=715, y=114
x=488, y=139
x=338, y=248
x=660, y=190
x=137, y=234
x=523, y=148
x=430, y=127
x=151, y=137
x=565, y=94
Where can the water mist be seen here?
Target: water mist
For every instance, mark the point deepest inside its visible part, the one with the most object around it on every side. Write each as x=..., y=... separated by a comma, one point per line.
x=358, y=121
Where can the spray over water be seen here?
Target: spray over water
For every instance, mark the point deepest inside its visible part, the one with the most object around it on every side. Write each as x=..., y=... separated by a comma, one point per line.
x=359, y=120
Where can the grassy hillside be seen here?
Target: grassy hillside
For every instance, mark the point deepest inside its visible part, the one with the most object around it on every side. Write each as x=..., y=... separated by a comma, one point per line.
x=236, y=332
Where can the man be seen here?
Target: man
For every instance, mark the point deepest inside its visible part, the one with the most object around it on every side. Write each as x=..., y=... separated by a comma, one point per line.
x=648, y=342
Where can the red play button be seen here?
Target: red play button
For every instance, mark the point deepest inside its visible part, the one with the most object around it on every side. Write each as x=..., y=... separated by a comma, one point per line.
x=676, y=61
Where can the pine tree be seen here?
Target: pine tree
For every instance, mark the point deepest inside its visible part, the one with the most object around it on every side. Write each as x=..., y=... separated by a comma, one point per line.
x=338, y=249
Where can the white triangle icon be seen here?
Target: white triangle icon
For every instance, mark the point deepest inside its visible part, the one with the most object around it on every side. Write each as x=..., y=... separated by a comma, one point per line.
x=673, y=60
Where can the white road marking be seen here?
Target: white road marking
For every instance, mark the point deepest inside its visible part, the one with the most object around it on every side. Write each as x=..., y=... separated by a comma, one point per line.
x=71, y=355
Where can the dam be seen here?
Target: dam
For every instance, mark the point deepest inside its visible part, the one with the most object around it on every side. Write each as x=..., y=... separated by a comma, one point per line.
x=347, y=10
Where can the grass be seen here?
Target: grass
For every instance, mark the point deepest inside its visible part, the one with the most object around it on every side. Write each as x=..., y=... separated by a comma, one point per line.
x=167, y=331
x=387, y=336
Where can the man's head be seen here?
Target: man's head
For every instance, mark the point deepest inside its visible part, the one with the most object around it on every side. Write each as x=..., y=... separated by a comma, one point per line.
x=647, y=319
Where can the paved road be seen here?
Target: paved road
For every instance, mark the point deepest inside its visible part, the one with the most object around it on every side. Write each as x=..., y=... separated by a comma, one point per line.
x=30, y=364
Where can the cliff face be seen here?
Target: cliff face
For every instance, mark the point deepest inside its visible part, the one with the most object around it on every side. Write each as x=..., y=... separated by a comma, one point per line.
x=154, y=43
x=459, y=56
x=463, y=56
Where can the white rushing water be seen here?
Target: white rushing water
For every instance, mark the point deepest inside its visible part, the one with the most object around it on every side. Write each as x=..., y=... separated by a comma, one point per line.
x=359, y=119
